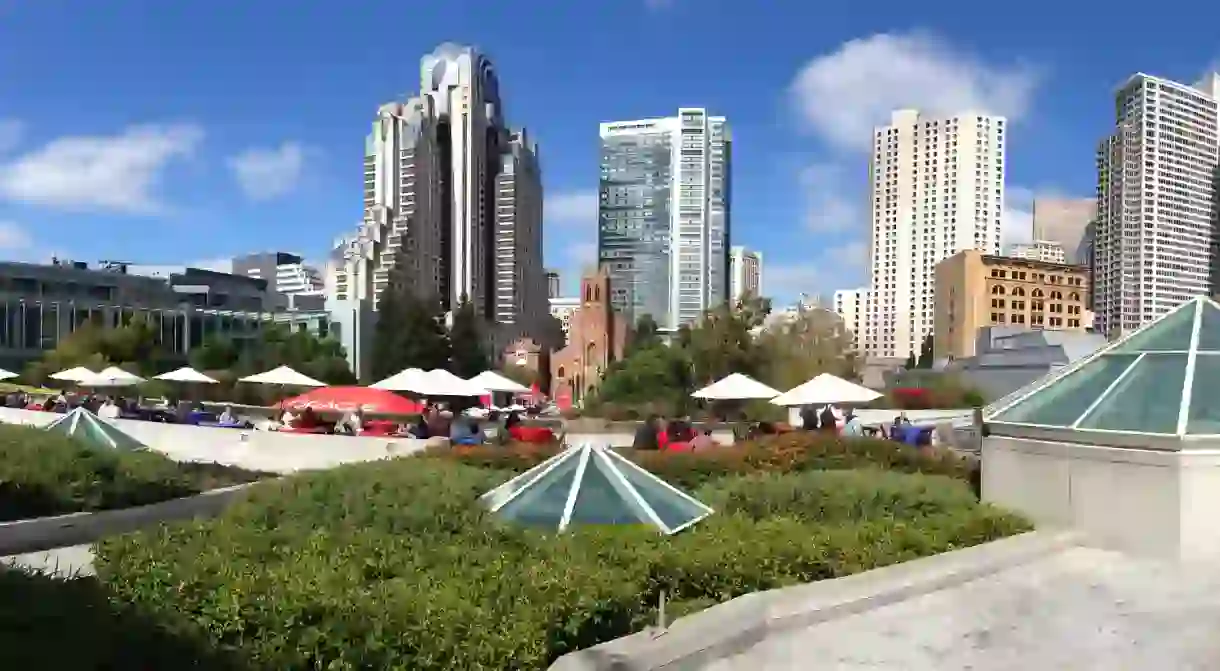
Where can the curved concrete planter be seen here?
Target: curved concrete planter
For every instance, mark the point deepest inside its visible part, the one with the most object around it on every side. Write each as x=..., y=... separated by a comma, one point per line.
x=700, y=640
x=49, y=533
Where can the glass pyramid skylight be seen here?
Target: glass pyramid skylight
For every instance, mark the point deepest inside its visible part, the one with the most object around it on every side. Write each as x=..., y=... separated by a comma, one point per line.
x=591, y=484
x=86, y=427
x=1162, y=379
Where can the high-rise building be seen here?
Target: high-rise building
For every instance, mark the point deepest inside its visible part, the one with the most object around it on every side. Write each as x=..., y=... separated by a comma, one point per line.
x=1040, y=250
x=1155, y=233
x=437, y=170
x=1064, y=221
x=520, y=279
x=552, y=283
x=852, y=306
x=937, y=187
x=664, y=215
x=290, y=282
x=745, y=273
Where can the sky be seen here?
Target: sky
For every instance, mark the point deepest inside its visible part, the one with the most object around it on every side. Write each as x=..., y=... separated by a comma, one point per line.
x=167, y=133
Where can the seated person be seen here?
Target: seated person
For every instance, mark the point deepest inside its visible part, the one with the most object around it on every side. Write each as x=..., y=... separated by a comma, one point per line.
x=227, y=417
x=108, y=410
x=646, y=435
x=702, y=441
x=466, y=431
x=419, y=429
x=350, y=425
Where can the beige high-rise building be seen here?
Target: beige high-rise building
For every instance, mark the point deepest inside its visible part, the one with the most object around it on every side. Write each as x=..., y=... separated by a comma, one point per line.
x=1063, y=221
x=745, y=273
x=937, y=189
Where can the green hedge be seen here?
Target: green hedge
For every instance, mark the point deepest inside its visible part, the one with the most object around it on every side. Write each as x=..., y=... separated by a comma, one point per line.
x=394, y=565
x=57, y=623
x=795, y=451
x=48, y=474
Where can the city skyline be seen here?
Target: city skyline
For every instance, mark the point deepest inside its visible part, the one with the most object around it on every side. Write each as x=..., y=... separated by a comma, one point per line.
x=258, y=151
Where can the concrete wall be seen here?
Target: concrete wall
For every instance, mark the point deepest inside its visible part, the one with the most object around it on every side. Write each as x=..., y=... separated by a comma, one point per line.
x=1156, y=503
x=255, y=450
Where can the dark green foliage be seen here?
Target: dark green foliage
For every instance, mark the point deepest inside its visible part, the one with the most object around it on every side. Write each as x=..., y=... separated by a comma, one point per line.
x=395, y=565
x=410, y=333
x=645, y=336
x=56, y=623
x=47, y=474
x=926, y=357
x=469, y=357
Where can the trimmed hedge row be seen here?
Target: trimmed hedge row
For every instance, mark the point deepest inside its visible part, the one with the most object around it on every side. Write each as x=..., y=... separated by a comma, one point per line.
x=45, y=474
x=795, y=451
x=395, y=565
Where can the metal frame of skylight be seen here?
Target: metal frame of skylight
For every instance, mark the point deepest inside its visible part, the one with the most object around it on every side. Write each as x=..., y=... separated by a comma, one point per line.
x=707, y=510
x=611, y=460
x=1101, y=351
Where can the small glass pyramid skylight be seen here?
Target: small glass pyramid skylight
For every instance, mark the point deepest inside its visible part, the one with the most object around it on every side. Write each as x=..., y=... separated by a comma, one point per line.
x=1162, y=379
x=86, y=427
x=591, y=484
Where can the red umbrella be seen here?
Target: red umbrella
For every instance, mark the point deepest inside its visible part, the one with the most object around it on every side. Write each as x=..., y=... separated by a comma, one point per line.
x=350, y=399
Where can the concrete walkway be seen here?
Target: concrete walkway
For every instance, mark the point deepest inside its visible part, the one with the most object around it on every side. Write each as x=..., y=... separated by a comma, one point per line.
x=1079, y=609
x=67, y=562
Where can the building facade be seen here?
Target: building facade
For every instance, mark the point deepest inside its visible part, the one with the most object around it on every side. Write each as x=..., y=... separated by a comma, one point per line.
x=41, y=305
x=562, y=309
x=597, y=336
x=1155, y=232
x=975, y=290
x=520, y=278
x=439, y=171
x=291, y=284
x=664, y=215
x=1040, y=250
x=1064, y=221
x=745, y=273
x=937, y=188
x=552, y=283
x=852, y=306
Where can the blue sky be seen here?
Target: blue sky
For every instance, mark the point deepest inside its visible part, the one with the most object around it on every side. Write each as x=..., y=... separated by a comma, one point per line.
x=160, y=132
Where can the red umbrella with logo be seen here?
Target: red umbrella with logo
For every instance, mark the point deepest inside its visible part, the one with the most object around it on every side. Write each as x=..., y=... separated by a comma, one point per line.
x=350, y=399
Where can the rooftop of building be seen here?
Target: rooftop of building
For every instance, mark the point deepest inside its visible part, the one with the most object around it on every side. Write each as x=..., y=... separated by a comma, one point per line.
x=1019, y=262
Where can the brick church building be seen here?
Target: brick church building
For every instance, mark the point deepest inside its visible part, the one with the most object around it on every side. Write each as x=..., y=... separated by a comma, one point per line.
x=597, y=336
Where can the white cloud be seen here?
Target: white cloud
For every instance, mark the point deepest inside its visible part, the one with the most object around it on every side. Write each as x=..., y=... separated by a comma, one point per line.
x=572, y=208
x=831, y=203
x=1017, y=222
x=100, y=172
x=14, y=238
x=264, y=174
x=843, y=95
x=830, y=269
x=11, y=132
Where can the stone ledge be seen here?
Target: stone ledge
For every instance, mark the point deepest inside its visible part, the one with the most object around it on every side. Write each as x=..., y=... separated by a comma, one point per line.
x=49, y=533
x=737, y=625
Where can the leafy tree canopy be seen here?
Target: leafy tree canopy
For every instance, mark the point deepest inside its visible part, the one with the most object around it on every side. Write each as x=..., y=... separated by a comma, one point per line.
x=410, y=333
x=469, y=356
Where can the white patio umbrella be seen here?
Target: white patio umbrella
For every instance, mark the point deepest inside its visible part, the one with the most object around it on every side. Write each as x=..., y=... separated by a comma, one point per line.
x=443, y=383
x=735, y=387
x=283, y=377
x=113, y=376
x=493, y=381
x=826, y=389
x=186, y=374
x=411, y=379
x=79, y=374
x=7, y=374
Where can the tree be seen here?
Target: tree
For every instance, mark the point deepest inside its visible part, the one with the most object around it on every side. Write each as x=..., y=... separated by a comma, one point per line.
x=468, y=357
x=132, y=346
x=800, y=348
x=722, y=342
x=215, y=353
x=645, y=335
x=910, y=362
x=925, y=359
x=659, y=376
x=410, y=332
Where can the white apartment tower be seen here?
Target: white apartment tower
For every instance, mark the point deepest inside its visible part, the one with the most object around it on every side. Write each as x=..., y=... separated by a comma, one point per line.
x=745, y=273
x=937, y=188
x=1040, y=250
x=1155, y=236
x=664, y=215
x=852, y=306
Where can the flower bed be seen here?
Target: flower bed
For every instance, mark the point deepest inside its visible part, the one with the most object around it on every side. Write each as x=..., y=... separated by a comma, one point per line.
x=396, y=565
x=45, y=474
x=795, y=451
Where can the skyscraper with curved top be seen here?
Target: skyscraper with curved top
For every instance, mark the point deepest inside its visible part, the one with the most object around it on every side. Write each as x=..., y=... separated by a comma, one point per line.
x=435, y=168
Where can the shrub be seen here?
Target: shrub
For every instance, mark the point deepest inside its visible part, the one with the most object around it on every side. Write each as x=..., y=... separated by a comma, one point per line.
x=795, y=451
x=395, y=565
x=48, y=474
x=74, y=623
